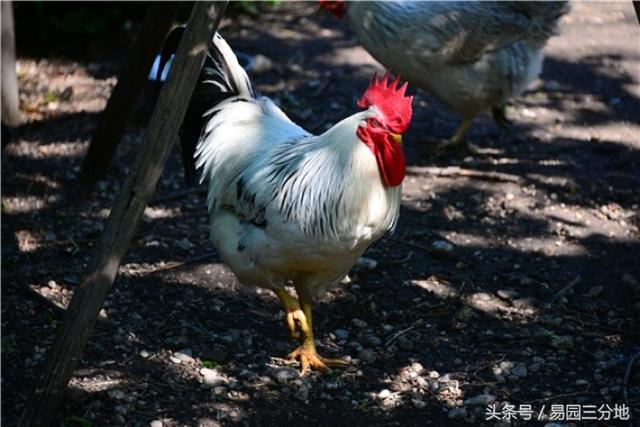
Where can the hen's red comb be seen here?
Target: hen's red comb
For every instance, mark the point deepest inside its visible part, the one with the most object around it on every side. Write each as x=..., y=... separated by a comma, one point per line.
x=338, y=8
x=390, y=100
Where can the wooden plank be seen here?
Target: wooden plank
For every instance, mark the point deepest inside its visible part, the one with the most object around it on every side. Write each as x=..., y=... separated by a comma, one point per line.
x=131, y=82
x=88, y=298
x=10, y=100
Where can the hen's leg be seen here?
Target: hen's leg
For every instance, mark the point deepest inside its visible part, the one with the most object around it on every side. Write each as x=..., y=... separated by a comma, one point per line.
x=306, y=353
x=500, y=117
x=457, y=137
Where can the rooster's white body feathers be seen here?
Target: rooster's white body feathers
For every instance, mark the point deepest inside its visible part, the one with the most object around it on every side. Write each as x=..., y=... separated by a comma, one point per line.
x=286, y=205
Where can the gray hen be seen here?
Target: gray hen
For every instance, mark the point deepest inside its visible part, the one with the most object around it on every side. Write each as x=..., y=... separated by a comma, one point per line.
x=473, y=56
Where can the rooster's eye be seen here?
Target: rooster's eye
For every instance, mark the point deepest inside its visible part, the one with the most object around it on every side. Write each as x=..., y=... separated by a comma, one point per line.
x=375, y=123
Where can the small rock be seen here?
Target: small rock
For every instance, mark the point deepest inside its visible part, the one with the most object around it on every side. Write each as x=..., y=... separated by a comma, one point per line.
x=116, y=394
x=534, y=367
x=302, y=393
x=284, y=375
x=119, y=419
x=185, y=355
x=526, y=281
x=506, y=366
x=261, y=64
x=522, y=303
x=121, y=409
x=369, y=263
x=480, y=400
x=562, y=342
x=211, y=377
x=434, y=375
x=184, y=244
x=508, y=294
x=207, y=422
x=457, y=413
x=441, y=247
x=520, y=370
x=384, y=394
x=155, y=423
x=417, y=368
x=359, y=323
x=175, y=360
x=341, y=334
x=368, y=356
x=419, y=404
x=581, y=382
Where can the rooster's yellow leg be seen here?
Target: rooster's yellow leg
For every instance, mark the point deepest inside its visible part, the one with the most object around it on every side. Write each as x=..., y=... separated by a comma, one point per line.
x=293, y=315
x=306, y=353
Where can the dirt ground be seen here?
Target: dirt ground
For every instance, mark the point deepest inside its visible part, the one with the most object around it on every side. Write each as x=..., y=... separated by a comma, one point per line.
x=513, y=276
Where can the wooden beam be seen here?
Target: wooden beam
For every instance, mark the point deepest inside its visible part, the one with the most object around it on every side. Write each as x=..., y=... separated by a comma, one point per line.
x=10, y=100
x=131, y=82
x=88, y=298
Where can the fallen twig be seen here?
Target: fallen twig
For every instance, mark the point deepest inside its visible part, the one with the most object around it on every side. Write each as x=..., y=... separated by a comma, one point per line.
x=566, y=289
x=178, y=264
x=402, y=332
x=409, y=243
x=454, y=171
x=402, y=260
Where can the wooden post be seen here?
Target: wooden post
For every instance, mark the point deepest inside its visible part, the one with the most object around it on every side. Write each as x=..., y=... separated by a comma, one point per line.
x=131, y=82
x=10, y=99
x=73, y=333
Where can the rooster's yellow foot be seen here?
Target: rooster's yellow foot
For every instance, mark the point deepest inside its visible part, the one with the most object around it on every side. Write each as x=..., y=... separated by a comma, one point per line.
x=310, y=360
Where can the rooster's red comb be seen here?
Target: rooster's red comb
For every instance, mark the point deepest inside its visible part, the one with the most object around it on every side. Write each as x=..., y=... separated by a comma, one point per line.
x=390, y=100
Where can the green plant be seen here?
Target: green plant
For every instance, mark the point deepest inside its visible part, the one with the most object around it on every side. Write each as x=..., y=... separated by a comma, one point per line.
x=74, y=420
x=49, y=318
x=210, y=364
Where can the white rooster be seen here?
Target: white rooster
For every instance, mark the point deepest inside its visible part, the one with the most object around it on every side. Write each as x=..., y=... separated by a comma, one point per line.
x=289, y=207
x=472, y=55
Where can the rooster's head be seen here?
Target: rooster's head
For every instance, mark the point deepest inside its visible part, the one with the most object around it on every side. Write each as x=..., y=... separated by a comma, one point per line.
x=336, y=7
x=382, y=131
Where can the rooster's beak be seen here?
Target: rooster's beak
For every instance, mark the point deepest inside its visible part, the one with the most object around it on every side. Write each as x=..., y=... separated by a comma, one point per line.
x=397, y=137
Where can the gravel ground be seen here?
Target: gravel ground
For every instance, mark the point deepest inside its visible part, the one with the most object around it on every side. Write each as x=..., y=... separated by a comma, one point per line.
x=512, y=279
